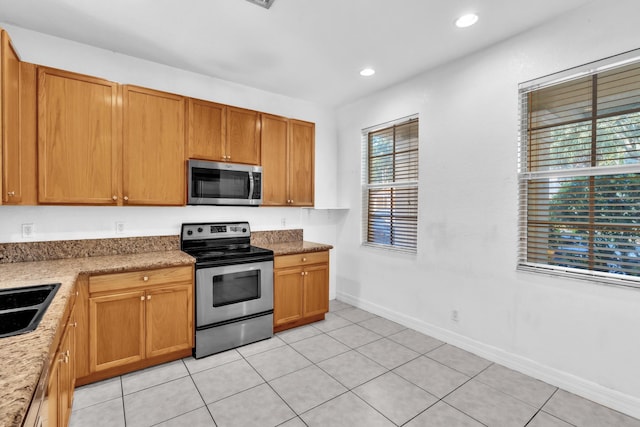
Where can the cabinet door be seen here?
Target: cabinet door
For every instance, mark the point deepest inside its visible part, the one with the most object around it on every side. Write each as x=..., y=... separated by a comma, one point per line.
x=11, y=155
x=274, y=136
x=116, y=334
x=316, y=290
x=77, y=139
x=153, y=150
x=287, y=295
x=301, y=163
x=50, y=409
x=169, y=319
x=65, y=376
x=243, y=136
x=207, y=127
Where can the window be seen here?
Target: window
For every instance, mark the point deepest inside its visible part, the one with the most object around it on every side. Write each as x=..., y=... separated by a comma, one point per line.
x=579, y=173
x=390, y=189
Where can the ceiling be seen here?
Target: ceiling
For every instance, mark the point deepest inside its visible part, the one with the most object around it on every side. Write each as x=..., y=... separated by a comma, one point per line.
x=305, y=49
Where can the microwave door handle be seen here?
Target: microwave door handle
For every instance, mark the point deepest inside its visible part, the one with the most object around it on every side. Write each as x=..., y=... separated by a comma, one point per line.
x=251, y=185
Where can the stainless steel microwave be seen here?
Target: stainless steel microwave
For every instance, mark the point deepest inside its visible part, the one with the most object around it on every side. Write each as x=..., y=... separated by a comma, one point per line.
x=215, y=183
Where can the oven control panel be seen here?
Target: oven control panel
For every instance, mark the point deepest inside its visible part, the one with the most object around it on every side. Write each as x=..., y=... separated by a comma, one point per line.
x=215, y=230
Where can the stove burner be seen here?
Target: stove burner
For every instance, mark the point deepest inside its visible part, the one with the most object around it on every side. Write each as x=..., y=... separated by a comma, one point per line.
x=220, y=243
x=210, y=254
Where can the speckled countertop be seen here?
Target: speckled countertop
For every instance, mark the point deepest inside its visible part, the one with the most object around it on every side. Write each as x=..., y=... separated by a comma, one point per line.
x=24, y=356
x=295, y=247
x=286, y=242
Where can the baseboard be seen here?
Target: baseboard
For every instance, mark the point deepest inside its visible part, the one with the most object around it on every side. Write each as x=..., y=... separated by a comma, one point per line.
x=613, y=399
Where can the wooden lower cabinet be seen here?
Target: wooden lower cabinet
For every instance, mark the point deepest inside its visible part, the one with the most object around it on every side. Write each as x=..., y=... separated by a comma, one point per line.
x=56, y=409
x=136, y=319
x=168, y=313
x=300, y=289
x=116, y=335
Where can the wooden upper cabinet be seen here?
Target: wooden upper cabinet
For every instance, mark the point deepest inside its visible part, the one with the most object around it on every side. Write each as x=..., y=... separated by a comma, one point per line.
x=207, y=130
x=287, y=161
x=243, y=136
x=78, y=139
x=17, y=155
x=301, y=162
x=274, y=160
x=153, y=147
x=222, y=133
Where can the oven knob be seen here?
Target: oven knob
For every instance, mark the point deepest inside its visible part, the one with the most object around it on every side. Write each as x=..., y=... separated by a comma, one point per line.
x=244, y=230
x=199, y=229
x=189, y=232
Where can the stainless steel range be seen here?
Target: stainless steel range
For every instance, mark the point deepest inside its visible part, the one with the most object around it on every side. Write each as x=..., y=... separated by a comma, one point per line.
x=233, y=286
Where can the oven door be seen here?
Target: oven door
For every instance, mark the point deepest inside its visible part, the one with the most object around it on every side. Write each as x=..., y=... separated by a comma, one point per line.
x=232, y=291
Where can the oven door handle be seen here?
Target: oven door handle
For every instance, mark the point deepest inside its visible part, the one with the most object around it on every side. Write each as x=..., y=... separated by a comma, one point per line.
x=251, y=185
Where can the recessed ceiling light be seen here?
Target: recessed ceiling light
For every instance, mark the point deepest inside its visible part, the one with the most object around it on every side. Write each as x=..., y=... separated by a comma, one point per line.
x=366, y=72
x=466, y=20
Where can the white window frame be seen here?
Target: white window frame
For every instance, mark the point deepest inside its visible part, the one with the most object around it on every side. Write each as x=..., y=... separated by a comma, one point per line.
x=366, y=186
x=524, y=176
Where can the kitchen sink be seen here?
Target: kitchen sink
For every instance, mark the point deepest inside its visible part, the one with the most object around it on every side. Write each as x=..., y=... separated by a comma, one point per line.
x=21, y=309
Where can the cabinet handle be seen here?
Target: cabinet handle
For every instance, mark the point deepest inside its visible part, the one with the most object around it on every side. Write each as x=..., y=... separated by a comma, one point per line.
x=148, y=297
x=74, y=324
x=291, y=201
x=228, y=157
x=114, y=198
x=11, y=193
x=145, y=278
x=302, y=273
x=126, y=198
x=306, y=273
x=304, y=259
x=142, y=298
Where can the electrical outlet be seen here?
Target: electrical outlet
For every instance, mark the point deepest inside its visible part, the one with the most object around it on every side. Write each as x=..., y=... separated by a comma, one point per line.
x=454, y=316
x=27, y=231
x=283, y=222
x=119, y=227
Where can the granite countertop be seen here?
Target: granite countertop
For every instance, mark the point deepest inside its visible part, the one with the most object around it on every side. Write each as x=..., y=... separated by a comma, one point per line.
x=295, y=247
x=25, y=356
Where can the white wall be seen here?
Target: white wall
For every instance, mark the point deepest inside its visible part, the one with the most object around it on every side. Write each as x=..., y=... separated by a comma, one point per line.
x=575, y=334
x=59, y=222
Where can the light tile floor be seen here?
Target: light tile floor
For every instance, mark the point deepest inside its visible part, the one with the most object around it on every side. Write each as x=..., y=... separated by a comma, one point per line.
x=352, y=369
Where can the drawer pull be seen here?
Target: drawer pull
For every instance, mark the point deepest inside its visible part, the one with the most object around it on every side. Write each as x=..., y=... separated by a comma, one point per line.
x=142, y=298
x=304, y=259
x=145, y=278
x=148, y=297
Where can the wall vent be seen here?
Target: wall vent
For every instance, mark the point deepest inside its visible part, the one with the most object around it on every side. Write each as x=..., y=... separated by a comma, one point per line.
x=264, y=3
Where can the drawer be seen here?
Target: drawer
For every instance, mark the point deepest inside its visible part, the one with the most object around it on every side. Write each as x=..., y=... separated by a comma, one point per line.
x=139, y=279
x=283, y=261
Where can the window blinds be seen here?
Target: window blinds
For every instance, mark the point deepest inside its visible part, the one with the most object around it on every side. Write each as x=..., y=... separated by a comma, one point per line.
x=391, y=186
x=580, y=176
